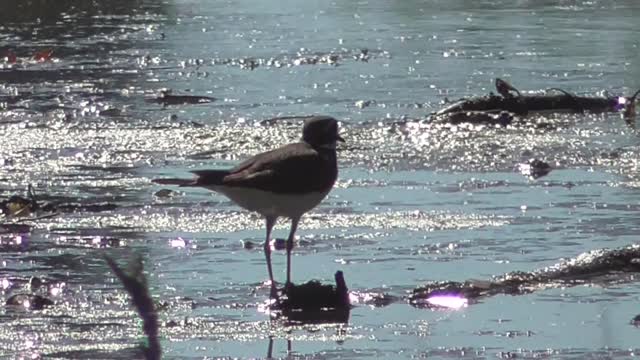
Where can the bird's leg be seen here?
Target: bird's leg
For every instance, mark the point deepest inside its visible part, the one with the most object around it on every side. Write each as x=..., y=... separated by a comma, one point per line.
x=271, y=221
x=292, y=234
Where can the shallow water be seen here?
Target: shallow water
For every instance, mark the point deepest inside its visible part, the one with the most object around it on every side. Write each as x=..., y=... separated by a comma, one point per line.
x=413, y=202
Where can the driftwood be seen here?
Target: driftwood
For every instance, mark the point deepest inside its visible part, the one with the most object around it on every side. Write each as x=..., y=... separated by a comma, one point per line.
x=586, y=268
x=525, y=104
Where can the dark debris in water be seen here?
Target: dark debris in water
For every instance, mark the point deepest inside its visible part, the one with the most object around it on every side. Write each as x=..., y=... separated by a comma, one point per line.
x=587, y=268
x=31, y=208
x=535, y=168
x=20, y=206
x=89, y=207
x=28, y=301
x=166, y=98
x=525, y=104
x=313, y=302
x=165, y=193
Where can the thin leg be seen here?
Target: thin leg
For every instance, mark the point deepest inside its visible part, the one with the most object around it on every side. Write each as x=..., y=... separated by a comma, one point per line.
x=292, y=234
x=270, y=348
x=271, y=221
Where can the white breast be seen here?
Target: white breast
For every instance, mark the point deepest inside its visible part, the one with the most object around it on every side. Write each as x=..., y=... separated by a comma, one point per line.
x=272, y=204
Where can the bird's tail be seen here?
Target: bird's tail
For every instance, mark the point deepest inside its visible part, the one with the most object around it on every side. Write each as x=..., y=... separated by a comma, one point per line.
x=210, y=177
x=203, y=178
x=174, y=181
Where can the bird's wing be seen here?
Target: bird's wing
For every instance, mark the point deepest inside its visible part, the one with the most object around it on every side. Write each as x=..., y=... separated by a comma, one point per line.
x=271, y=171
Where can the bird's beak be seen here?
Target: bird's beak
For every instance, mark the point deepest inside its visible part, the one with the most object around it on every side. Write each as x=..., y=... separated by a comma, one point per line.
x=339, y=138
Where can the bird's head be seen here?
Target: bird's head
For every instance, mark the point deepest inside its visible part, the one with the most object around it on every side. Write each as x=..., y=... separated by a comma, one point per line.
x=321, y=131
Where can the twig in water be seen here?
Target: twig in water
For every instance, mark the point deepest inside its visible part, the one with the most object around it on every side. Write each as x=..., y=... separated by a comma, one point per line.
x=136, y=285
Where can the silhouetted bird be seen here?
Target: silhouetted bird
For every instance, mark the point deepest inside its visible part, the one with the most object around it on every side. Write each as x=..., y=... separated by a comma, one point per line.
x=285, y=182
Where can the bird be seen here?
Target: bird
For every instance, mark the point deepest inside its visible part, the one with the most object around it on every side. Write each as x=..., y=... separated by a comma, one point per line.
x=505, y=89
x=285, y=182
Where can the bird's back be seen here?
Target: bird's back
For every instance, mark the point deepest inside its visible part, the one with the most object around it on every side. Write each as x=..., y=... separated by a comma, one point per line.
x=293, y=168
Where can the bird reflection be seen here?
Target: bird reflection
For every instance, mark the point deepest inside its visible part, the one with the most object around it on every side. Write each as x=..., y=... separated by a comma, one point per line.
x=341, y=333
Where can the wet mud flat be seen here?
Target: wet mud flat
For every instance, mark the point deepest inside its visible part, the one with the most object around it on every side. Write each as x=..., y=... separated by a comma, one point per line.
x=420, y=207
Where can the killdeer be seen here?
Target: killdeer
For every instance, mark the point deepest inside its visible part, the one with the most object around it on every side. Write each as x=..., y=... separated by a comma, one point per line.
x=285, y=182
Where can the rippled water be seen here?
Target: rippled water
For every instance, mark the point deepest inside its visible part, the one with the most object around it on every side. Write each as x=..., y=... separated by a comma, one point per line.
x=414, y=202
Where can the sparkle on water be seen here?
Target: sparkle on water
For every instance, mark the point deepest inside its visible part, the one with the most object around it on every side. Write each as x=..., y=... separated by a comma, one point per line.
x=450, y=301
